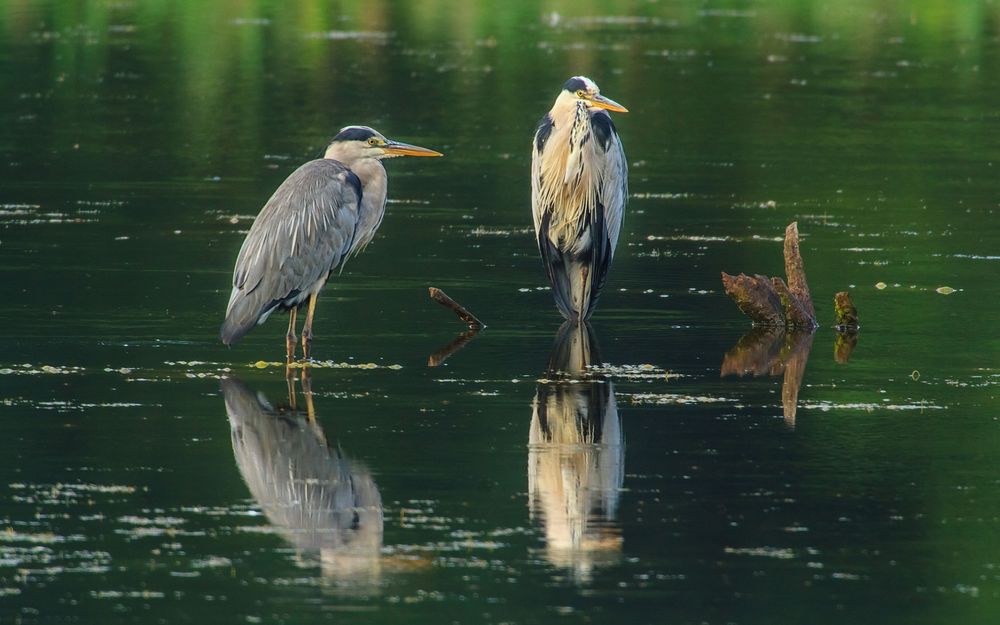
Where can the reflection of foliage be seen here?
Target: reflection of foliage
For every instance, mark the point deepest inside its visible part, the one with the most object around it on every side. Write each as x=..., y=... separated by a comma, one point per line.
x=214, y=71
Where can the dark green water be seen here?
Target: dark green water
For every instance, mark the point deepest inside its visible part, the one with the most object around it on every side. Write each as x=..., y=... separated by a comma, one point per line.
x=139, y=138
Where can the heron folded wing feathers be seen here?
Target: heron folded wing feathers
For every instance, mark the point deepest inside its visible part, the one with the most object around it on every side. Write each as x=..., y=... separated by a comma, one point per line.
x=302, y=233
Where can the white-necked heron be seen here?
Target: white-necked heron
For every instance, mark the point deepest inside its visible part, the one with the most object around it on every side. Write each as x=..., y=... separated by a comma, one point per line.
x=579, y=188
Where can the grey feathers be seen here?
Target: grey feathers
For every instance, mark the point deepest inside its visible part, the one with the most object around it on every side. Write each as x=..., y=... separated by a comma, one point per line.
x=304, y=231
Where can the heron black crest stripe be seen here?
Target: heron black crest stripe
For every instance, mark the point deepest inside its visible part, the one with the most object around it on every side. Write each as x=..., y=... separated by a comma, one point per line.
x=603, y=127
x=575, y=84
x=543, y=131
x=354, y=133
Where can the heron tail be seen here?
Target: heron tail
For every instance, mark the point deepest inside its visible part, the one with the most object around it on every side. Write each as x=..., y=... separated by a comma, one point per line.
x=243, y=314
x=571, y=285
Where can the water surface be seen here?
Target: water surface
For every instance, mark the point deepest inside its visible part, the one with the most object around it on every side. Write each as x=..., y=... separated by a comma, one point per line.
x=501, y=486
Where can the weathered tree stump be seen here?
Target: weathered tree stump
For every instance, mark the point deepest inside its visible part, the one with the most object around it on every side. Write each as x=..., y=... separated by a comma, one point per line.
x=772, y=302
x=756, y=297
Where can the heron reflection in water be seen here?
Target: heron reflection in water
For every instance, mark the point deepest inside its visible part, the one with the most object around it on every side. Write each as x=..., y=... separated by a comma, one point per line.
x=576, y=456
x=325, y=504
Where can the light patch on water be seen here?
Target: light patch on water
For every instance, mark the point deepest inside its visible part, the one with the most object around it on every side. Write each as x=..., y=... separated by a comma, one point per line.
x=779, y=553
x=481, y=231
x=10, y=535
x=62, y=494
x=323, y=364
x=257, y=529
x=211, y=562
x=634, y=372
x=729, y=13
x=130, y=594
x=704, y=238
x=160, y=520
x=557, y=20
x=798, y=38
x=975, y=257
x=30, y=369
x=826, y=406
x=662, y=196
x=661, y=399
x=368, y=36
x=250, y=21
x=70, y=405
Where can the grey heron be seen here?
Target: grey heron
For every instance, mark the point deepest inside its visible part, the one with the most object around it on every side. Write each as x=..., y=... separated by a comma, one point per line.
x=579, y=188
x=326, y=211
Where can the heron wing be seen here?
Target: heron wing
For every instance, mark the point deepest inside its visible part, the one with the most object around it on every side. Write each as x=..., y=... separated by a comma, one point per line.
x=542, y=132
x=303, y=232
x=583, y=202
x=612, y=194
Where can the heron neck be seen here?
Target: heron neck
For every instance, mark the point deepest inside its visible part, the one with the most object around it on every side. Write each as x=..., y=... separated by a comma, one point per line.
x=374, y=184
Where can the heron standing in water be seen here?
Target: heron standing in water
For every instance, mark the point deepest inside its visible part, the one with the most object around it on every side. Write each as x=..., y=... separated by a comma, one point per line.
x=325, y=212
x=579, y=188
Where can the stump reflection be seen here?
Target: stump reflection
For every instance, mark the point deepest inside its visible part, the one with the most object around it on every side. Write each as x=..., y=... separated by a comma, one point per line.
x=773, y=351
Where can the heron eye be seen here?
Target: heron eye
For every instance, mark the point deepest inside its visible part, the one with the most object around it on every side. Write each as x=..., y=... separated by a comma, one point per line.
x=581, y=93
x=372, y=141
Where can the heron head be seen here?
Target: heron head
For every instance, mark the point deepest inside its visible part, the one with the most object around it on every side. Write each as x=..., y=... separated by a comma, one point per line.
x=582, y=89
x=359, y=142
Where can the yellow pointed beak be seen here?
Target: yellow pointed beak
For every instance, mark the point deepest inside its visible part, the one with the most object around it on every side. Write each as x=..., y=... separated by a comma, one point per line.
x=397, y=148
x=608, y=104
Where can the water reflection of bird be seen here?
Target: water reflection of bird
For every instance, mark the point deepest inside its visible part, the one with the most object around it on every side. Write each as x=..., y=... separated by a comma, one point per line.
x=576, y=456
x=326, y=211
x=579, y=188
x=323, y=503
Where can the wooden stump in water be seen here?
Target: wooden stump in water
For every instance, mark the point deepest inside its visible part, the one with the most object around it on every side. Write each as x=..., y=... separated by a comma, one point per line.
x=772, y=301
x=756, y=297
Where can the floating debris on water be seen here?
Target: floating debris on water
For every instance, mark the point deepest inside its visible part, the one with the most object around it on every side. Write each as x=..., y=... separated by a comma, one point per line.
x=29, y=369
x=827, y=406
x=372, y=36
x=880, y=285
x=634, y=372
x=945, y=290
x=480, y=231
x=781, y=553
x=322, y=364
x=661, y=399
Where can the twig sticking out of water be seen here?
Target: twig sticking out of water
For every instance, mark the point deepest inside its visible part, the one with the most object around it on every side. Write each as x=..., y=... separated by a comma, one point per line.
x=440, y=297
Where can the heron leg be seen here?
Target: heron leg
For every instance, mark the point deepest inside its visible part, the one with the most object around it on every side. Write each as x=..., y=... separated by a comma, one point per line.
x=290, y=338
x=307, y=329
